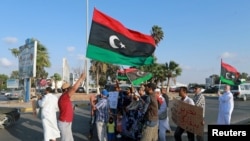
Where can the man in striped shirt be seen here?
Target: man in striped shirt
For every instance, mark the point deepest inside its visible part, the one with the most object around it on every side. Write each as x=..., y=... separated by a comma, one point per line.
x=199, y=100
x=102, y=115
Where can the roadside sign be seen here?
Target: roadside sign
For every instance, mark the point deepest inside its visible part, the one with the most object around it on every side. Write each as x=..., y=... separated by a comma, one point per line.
x=27, y=59
x=12, y=83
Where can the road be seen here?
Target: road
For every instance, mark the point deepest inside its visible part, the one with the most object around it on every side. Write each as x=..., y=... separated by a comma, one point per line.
x=30, y=128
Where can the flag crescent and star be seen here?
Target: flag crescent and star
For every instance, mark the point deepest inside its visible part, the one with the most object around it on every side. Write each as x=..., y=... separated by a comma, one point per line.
x=230, y=76
x=112, y=39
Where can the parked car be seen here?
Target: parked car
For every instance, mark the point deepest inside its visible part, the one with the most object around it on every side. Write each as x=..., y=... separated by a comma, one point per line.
x=16, y=95
x=3, y=92
x=215, y=88
x=191, y=90
x=59, y=90
x=40, y=92
x=8, y=116
x=80, y=90
x=241, y=91
x=93, y=90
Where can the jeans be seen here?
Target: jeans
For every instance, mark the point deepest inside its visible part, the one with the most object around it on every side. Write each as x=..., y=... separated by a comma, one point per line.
x=162, y=129
x=179, y=131
x=199, y=138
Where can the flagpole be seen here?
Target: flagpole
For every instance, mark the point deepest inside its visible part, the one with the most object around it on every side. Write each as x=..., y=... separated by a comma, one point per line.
x=220, y=74
x=86, y=60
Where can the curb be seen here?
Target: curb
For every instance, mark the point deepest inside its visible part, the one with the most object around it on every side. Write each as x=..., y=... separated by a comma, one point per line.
x=83, y=105
x=26, y=110
x=30, y=109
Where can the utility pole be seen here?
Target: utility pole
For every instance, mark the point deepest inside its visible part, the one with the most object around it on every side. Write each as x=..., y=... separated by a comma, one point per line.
x=86, y=59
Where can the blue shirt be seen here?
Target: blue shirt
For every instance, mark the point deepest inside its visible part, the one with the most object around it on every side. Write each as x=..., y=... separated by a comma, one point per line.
x=102, y=110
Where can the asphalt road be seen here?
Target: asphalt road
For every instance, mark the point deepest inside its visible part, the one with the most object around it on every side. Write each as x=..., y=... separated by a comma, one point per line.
x=30, y=128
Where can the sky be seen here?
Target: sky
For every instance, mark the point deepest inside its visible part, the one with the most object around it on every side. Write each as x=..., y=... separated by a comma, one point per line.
x=197, y=33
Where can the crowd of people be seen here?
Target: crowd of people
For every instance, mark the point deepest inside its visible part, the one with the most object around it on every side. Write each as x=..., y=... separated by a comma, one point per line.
x=141, y=114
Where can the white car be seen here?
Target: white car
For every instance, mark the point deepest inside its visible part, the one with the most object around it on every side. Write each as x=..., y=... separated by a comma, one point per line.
x=16, y=95
x=7, y=94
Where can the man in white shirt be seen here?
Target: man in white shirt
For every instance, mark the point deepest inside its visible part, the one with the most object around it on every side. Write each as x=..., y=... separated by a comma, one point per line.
x=226, y=106
x=179, y=131
x=49, y=106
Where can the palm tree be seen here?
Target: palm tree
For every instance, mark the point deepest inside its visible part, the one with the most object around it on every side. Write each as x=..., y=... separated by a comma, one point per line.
x=97, y=69
x=15, y=51
x=173, y=70
x=56, y=77
x=243, y=75
x=157, y=34
x=14, y=74
x=111, y=72
x=160, y=73
x=42, y=60
x=3, y=80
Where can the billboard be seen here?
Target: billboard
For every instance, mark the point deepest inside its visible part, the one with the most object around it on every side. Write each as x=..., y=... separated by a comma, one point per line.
x=12, y=83
x=27, y=59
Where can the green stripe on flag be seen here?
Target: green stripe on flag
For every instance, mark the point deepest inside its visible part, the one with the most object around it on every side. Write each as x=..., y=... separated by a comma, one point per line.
x=142, y=79
x=104, y=55
x=227, y=81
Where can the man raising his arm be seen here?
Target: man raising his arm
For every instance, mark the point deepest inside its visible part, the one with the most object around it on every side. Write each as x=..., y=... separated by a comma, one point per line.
x=66, y=109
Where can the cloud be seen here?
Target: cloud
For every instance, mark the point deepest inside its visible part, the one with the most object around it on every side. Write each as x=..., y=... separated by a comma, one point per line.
x=81, y=57
x=226, y=55
x=185, y=67
x=71, y=48
x=10, y=40
x=5, y=62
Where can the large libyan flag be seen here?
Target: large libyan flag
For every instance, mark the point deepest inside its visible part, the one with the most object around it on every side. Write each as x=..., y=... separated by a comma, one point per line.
x=229, y=74
x=111, y=42
x=134, y=75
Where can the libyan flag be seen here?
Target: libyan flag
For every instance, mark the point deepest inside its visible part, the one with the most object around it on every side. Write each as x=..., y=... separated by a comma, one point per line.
x=135, y=76
x=111, y=42
x=229, y=74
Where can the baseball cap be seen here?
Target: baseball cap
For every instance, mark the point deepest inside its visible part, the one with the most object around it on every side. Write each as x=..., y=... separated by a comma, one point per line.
x=105, y=92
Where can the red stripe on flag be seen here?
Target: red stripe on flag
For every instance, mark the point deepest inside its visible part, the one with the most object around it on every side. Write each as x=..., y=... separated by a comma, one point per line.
x=229, y=67
x=117, y=26
x=127, y=70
